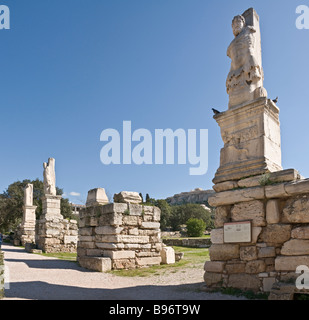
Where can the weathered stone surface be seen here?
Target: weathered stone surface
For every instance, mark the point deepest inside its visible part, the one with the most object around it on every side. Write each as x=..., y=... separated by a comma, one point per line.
x=234, y=196
x=123, y=264
x=148, y=261
x=232, y=268
x=167, y=255
x=248, y=253
x=297, y=187
x=100, y=264
x=108, y=230
x=296, y=210
x=290, y=263
x=275, y=191
x=219, y=252
x=300, y=233
x=150, y=225
x=216, y=236
x=272, y=212
x=212, y=279
x=295, y=247
x=222, y=216
x=268, y=283
x=224, y=186
x=244, y=282
x=276, y=233
x=123, y=254
x=96, y=197
x=267, y=252
x=255, y=266
x=251, y=210
x=127, y=197
x=214, y=266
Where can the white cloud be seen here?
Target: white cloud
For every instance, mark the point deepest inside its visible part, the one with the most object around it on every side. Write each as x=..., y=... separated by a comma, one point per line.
x=74, y=194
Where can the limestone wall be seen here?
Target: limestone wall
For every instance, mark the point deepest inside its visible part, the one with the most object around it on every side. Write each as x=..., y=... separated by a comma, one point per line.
x=278, y=207
x=56, y=234
x=118, y=236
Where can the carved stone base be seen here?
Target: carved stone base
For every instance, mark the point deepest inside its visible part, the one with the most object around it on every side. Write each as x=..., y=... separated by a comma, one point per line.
x=51, y=206
x=252, y=143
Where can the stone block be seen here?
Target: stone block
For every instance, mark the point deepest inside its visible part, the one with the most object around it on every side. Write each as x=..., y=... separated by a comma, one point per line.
x=106, y=230
x=132, y=239
x=290, y=263
x=96, y=197
x=147, y=261
x=135, y=209
x=244, y=282
x=131, y=220
x=224, y=186
x=295, y=247
x=300, y=233
x=272, y=212
x=216, y=236
x=297, y=187
x=214, y=266
x=222, y=252
x=222, y=216
x=115, y=255
x=156, y=214
x=248, y=253
x=267, y=252
x=232, y=268
x=268, y=283
x=70, y=239
x=250, y=210
x=167, y=255
x=296, y=210
x=275, y=191
x=127, y=197
x=123, y=264
x=150, y=225
x=276, y=233
x=234, y=196
x=255, y=266
x=213, y=279
x=101, y=264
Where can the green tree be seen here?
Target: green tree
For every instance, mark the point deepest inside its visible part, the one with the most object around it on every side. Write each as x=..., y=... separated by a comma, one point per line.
x=182, y=213
x=195, y=227
x=12, y=200
x=147, y=198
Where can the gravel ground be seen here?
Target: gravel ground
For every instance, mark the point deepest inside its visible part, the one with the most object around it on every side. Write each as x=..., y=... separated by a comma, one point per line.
x=35, y=277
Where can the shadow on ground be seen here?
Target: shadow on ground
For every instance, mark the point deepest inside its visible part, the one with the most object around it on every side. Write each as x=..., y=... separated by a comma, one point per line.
x=38, y=290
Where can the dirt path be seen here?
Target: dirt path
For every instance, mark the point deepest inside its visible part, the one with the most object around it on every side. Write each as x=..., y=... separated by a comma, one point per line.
x=36, y=277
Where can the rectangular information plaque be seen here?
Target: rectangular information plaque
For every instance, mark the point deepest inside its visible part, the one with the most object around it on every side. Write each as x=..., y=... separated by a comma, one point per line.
x=237, y=232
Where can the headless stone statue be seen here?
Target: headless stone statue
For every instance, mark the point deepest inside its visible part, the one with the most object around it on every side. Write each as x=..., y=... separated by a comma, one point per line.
x=49, y=177
x=245, y=79
x=28, y=195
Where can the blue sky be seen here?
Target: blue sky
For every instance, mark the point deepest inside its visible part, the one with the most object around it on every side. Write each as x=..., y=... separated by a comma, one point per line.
x=72, y=68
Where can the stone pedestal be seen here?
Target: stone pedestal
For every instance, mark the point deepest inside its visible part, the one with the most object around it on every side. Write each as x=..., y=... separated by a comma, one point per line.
x=51, y=206
x=252, y=143
x=27, y=228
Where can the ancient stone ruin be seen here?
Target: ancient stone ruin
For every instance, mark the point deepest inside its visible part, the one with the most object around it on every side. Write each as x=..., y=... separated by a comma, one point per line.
x=51, y=232
x=120, y=235
x=262, y=211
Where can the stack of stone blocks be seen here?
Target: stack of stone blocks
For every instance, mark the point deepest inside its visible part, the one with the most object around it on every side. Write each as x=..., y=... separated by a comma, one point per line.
x=120, y=235
x=279, y=213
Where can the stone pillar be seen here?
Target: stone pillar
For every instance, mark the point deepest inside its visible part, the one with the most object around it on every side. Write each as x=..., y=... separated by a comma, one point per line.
x=51, y=206
x=28, y=225
x=252, y=143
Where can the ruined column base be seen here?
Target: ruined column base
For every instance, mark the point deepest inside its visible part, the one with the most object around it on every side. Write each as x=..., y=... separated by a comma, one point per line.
x=277, y=206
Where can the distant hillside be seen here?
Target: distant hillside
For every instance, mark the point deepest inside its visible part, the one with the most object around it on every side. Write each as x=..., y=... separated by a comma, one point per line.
x=195, y=196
